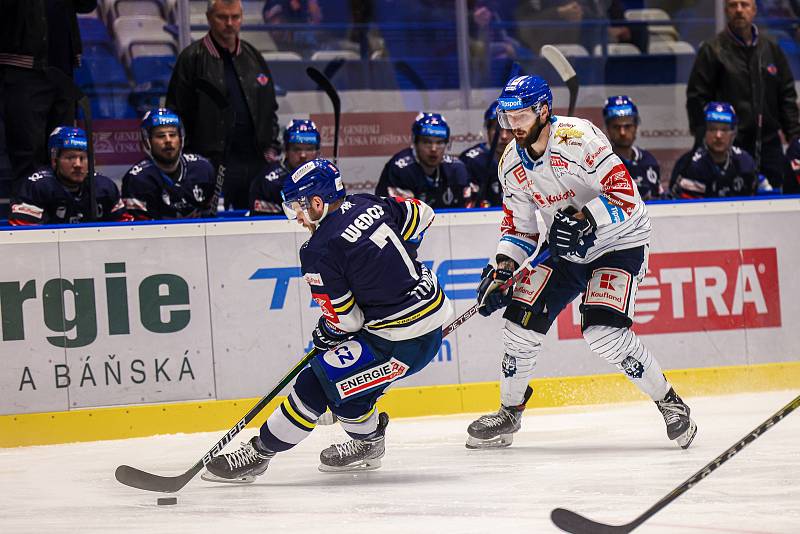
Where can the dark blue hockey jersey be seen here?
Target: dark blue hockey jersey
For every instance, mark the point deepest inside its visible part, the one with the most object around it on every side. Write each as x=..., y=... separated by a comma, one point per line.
x=646, y=172
x=482, y=169
x=449, y=187
x=42, y=199
x=149, y=193
x=362, y=268
x=697, y=176
x=265, y=191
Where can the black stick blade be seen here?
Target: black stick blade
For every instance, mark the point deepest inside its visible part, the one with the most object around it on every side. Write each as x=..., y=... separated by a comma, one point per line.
x=136, y=478
x=577, y=524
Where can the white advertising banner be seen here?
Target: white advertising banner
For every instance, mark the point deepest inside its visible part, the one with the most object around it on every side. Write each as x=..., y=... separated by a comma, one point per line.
x=111, y=315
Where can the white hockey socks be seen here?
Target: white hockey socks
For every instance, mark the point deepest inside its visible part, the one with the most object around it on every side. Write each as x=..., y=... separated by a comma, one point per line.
x=521, y=349
x=621, y=347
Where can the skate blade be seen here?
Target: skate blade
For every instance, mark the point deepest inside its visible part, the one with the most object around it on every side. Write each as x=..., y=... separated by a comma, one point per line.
x=503, y=440
x=211, y=477
x=367, y=465
x=685, y=439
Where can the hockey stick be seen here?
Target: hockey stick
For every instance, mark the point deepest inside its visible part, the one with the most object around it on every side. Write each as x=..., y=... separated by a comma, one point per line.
x=523, y=271
x=136, y=478
x=568, y=75
x=221, y=101
x=325, y=84
x=68, y=85
x=577, y=524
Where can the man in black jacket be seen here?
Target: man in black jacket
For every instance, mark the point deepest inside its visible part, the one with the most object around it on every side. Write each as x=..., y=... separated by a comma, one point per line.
x=223, y=91
x=752, y=73
x=35, y=37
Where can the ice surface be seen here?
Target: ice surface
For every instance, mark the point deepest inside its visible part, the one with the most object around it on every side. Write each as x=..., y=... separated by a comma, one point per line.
x=609, y=463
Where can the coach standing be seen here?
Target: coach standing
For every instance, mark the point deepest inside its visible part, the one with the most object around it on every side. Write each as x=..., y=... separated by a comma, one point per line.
x=741, y=67
x=36, y=37
x=223, y=91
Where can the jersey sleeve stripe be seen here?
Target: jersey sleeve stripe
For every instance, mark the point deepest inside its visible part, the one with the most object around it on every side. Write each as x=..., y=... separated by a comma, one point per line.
x=345, y=307
x=413, y=223
x=413, y=316
x=524, y=245
x=358, y=419
x=341, y=300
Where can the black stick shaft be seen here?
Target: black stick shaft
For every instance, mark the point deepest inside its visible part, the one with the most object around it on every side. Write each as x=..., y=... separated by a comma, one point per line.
x=577, y=524
x=324, y=83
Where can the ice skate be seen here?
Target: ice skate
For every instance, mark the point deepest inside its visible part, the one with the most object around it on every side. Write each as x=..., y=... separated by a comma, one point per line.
x=496, y=430
x=680, y=427
x=356, y=454
x=241, y=466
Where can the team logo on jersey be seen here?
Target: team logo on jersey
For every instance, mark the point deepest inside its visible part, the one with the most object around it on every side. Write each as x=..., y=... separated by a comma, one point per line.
x=325, y=306
x=345, y=355
x=509, y=366
x=539, y=199
x=198, y=193
x=372, y=377
x=568, y=136
x=609, y=288
x=591, y=158
x=633, y=367
x=519, y=174
x=772, y=69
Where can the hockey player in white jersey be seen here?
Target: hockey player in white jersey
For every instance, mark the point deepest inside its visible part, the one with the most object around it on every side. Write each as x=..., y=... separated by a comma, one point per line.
x=598, y=230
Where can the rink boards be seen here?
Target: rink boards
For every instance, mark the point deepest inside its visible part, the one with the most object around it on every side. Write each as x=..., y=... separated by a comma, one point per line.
x=118, y=331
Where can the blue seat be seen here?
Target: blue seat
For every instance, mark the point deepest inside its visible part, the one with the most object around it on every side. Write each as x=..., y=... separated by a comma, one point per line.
x=93, y=30
x=154, y=69
x=100, y=71
x=112, y=104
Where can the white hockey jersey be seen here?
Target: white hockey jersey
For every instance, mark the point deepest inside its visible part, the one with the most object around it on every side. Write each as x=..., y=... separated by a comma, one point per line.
x=578, y=169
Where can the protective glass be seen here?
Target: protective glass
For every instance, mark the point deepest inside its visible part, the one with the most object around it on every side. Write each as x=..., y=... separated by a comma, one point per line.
x=516, y=119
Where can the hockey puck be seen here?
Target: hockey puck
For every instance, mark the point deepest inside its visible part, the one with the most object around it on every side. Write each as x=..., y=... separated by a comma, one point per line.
x=167, y=500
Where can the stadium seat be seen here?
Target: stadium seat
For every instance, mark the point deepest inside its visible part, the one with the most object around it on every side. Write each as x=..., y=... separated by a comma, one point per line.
x=154, y=69
x=618, y=49
x=252, y=11
x=281, y=56
x=141, y=35
x=197, y=12
x=658, y=32
x=571, y=50
x=262, y=40
x=671, y=47
x=93, y=30
x=330, y=55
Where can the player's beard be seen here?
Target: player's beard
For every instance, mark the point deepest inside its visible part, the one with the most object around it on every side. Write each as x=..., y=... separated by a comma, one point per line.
x=167, y=163
x=533, y=135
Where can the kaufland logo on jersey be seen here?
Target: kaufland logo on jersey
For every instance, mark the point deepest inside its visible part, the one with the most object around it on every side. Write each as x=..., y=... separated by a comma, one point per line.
x=699, y=292
x=549, y=200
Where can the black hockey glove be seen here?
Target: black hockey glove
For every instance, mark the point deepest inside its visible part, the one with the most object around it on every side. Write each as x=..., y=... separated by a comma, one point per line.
x=567, y=234
x=326, y=336
x=490, y=299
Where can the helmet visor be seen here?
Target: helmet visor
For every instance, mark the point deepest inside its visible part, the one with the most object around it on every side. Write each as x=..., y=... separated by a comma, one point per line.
x=516, y=119
x=292, y=207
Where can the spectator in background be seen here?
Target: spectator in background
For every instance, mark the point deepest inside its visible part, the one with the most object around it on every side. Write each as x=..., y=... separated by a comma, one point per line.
x=576, y=21
x=753, y=75
x=716, y=169
x=301, y=142
x=487, y=38
x=35, y=37
x=168, y=184
x=59, y=194
x=481, y=160
x=622, y=121
x=425, y=171
x=224, y=91
x=301, y=12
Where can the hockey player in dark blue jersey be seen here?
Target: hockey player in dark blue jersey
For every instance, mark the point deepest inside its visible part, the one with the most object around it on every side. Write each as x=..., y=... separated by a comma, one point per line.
x=716, y=169
x=59, y=194
x=168, y=184
x=482, y=163
x=301, y=141
x=382, y=316
x=425, y=172
x=622, y=121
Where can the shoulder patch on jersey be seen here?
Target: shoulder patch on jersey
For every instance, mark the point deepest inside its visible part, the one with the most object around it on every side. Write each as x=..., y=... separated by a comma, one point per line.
x=736, y=150
x=326, y=306
x=591, y=158
x=472, y=153
x=519, y=174
x=404, y=162
x=313, y=279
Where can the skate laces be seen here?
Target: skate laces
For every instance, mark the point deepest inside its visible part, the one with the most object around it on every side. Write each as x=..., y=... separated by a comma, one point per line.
x=350, y=448
x=244, y=456
x=496, y=419
x=672, y=411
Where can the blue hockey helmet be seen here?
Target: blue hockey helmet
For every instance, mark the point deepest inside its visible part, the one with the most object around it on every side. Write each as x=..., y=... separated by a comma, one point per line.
x=66, y=138
x=155, y=118
x=316, y=178
x=620, y=106
x=490, y=114
x=430, y=125
x=301, y=132
x=523, y=92
x=720, y=112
